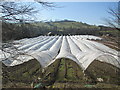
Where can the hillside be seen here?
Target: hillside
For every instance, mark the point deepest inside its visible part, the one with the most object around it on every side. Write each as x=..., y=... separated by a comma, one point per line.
x=13, y=31
x=66, y=24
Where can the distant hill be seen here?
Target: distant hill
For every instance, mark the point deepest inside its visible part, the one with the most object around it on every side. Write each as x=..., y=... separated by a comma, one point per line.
x=13, y=31
x=65, y=24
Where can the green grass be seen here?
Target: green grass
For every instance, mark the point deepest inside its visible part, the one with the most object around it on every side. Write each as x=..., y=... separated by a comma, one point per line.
x=65, y=24
x=110, y=31
x=62, y=73
x=109, y=73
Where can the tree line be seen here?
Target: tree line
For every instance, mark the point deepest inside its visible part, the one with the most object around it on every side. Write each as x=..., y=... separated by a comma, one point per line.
x=15, y=31
x=16, y=22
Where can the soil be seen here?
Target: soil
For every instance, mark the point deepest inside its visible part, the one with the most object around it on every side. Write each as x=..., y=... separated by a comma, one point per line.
x=63, y=73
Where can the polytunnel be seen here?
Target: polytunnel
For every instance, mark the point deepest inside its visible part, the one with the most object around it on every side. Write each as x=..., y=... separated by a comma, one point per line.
x=46, y=57
x=47, y=49
x=65, y=51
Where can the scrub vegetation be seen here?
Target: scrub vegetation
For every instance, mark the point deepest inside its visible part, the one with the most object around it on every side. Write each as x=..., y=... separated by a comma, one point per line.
x=63, y=73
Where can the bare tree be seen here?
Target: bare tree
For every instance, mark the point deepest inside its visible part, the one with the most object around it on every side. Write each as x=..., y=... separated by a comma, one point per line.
x=17, y=11
x=114, y=20
x=20, y=12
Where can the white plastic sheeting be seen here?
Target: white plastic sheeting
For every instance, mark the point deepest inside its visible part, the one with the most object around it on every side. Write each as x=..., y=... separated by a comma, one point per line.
x=47, y=56
x=47, y=49
x=3, y=55
x=90, y=37
x=65, y=51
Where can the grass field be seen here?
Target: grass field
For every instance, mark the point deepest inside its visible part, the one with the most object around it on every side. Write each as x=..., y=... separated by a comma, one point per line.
x=63, y=73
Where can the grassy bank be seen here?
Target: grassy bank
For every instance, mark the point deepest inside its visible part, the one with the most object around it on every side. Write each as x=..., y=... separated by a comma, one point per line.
x=63, y=73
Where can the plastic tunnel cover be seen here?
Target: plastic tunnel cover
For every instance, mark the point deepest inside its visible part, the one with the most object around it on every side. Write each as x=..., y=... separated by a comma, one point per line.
x=47, y=56
x=109, y=59
x=47, y=49
x=65, y=51
x=104, y=58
